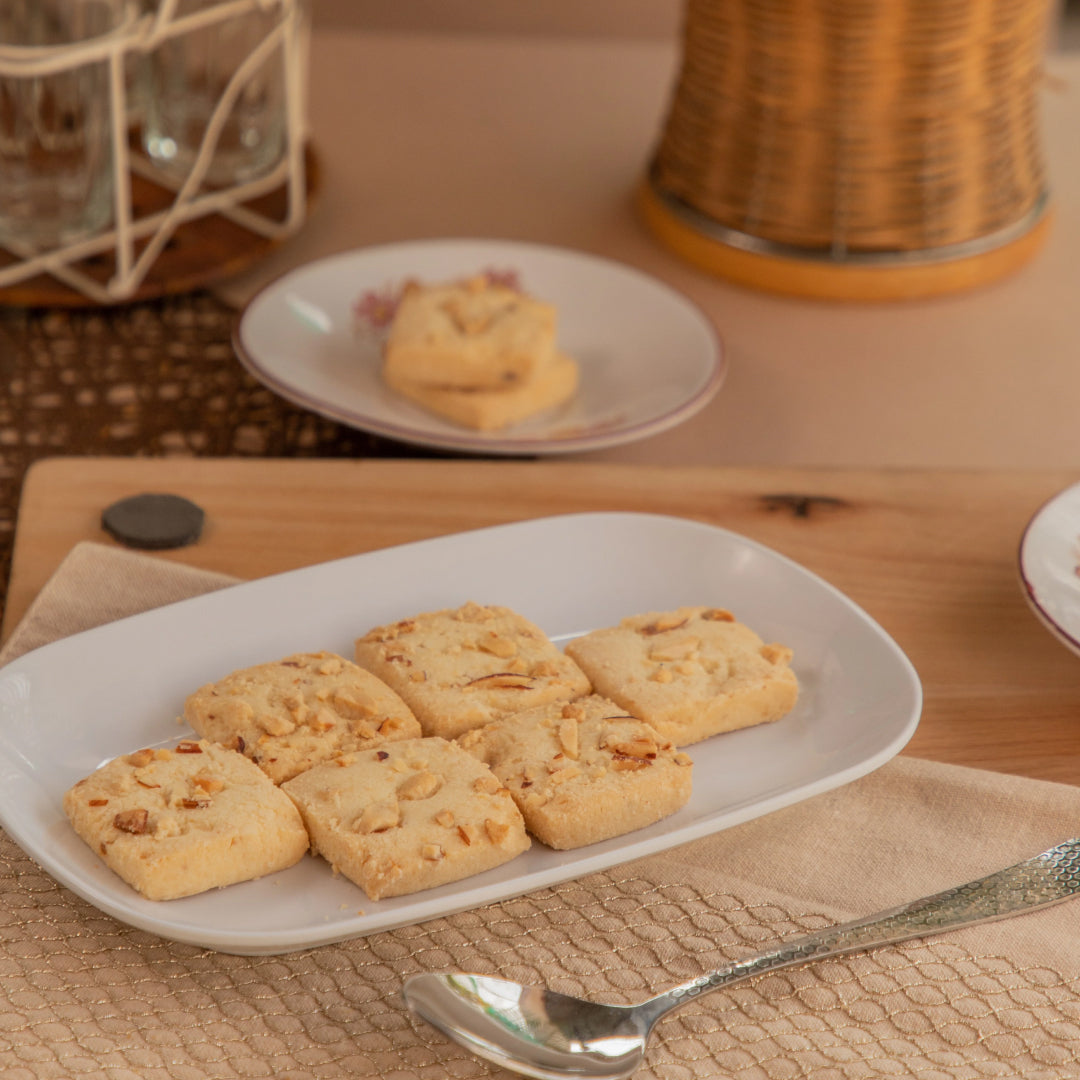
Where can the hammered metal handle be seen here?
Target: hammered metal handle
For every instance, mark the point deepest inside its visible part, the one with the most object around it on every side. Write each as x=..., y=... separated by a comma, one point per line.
x=1046, y=879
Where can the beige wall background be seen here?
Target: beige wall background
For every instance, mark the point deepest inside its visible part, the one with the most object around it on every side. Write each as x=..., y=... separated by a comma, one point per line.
x=641, y=19
x=608, y=18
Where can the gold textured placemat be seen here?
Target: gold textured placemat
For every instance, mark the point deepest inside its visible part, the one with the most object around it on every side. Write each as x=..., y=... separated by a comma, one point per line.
x=84, y=996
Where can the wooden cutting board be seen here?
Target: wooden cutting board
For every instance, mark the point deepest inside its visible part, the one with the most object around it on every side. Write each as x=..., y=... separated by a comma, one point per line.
x=931, y=555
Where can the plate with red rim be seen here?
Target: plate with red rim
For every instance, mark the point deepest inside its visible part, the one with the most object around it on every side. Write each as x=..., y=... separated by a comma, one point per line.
x=68, y=707
x=1049, y=566
x=649, y=358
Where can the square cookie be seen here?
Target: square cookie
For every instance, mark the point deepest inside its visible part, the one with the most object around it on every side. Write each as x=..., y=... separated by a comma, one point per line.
x=583, y=771
x=173, y=823
x=409, y=816
x=461, y=668
x=299, y=712
x=489, y=410
x=691, y=673
x=474, y=334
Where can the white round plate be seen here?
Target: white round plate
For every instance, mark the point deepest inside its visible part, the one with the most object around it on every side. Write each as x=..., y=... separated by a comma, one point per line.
x=649, y=358
x=1050, y=566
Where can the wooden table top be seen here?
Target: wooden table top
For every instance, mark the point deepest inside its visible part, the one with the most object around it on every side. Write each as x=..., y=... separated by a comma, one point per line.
x=930, y=554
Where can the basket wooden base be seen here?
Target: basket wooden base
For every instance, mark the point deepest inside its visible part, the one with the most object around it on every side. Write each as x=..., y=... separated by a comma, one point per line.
x=827, y=280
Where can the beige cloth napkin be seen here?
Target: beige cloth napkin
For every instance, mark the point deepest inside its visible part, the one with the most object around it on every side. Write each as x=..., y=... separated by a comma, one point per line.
x=84, y=996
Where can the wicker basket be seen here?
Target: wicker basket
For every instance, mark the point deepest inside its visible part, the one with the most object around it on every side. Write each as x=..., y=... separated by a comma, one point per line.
x=859, y=148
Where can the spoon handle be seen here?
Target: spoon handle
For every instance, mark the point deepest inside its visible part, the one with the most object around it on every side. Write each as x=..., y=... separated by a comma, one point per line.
x=1045, y=879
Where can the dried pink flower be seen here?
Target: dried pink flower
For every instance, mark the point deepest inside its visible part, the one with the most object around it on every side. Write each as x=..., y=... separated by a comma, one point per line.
x=376, y=307
x=508, y=279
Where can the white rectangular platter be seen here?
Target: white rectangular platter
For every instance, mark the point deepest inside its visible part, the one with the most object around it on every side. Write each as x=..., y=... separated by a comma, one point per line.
x=68, y=707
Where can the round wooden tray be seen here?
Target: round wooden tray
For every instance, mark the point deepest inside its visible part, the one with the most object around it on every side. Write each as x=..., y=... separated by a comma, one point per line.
x=199, y=253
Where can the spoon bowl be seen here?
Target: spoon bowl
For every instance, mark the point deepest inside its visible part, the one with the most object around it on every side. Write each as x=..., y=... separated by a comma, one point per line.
x=531, y=1030
x=544, y=1034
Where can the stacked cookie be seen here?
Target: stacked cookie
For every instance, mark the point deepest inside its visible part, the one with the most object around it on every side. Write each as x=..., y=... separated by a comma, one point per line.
x=454, y=736
x=174, y=822
x=299, y=712
x=410, y=816
x=690, y=673
x=478, y=353
x=491, y=679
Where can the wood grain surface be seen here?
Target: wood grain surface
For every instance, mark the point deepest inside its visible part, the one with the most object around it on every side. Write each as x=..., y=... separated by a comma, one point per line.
x=931, y=555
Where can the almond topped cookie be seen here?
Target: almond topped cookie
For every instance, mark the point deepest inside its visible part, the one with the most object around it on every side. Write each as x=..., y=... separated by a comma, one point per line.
x=489, y=410
x=691, y=673
x=299, y=712
x=409, y=816
x=583, y=771
x=176, y=822
x=469, y=335
x=460, y=668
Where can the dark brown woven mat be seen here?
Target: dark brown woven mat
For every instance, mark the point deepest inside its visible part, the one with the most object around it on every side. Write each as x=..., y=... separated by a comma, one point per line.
x=157, y=378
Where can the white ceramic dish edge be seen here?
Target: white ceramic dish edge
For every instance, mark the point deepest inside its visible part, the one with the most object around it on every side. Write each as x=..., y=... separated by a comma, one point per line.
x=540, y=868
x=1048, y=565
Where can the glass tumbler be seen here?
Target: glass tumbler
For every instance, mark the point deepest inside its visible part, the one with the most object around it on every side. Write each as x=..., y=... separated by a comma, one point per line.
x=188, y=73
x=56, y=182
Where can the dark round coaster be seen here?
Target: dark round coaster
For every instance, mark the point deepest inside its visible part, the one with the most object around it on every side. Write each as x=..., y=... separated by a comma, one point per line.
x=153, y=522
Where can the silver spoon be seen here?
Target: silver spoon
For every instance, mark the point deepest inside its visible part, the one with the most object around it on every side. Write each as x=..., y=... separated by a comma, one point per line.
x=540, y=1033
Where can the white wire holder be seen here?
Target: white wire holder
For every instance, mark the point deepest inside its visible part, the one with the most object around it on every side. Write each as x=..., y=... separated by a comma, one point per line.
x=141, y=34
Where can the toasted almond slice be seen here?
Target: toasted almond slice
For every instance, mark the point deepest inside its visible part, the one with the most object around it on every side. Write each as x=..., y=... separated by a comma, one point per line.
x=501, y=680
x=135, y=822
